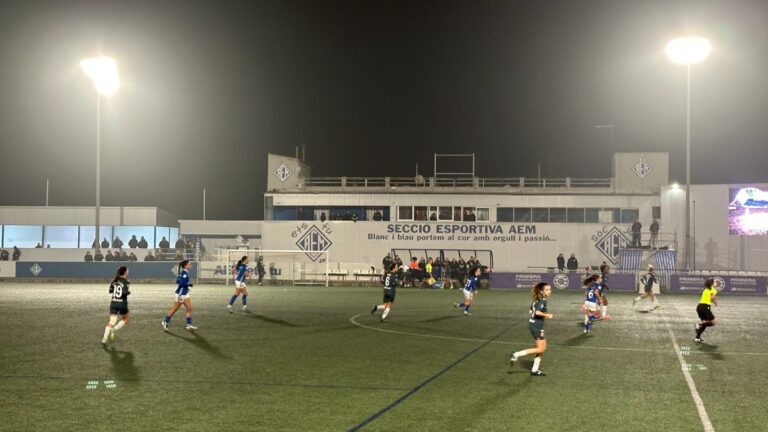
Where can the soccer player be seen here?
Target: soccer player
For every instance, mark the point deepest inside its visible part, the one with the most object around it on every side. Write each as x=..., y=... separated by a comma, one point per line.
x=118, y=305
x=538, y=313
x=240, y=271
x=648, y=280
x=591, y=300
x=390, y=285
x=704, y=309
x=181, y=297
x=470, y=288
x=260, y=268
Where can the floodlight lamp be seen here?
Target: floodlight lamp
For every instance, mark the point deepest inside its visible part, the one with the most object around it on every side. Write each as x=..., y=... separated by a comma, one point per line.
x=103, y=73
x=675, y=187
x=689, y=50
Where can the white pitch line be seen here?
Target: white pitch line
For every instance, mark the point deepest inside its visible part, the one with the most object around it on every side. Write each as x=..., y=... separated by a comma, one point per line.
x=691, y=385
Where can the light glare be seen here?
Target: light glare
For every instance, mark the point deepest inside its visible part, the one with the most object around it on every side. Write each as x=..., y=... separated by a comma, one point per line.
x=103, y=73
x=689, y=50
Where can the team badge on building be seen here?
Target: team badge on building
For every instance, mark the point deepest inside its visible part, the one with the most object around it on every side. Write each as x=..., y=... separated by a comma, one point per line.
x=314, y=241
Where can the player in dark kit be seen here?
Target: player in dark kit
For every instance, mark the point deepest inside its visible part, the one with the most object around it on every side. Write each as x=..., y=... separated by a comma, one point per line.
x=538, y=313
x=391, y=282
x=704, y=309
x=118, y=305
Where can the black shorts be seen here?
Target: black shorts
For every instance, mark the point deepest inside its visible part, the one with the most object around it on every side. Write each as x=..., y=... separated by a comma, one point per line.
x=537, y=331
x=649, y=288
x=705, y=312
x=118, y=308
x=389, y=298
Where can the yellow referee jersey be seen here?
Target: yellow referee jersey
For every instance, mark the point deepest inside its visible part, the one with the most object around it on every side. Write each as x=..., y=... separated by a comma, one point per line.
x=707, y=294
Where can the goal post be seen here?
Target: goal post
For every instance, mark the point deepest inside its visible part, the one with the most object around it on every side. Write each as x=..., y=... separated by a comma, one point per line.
x=293, y=267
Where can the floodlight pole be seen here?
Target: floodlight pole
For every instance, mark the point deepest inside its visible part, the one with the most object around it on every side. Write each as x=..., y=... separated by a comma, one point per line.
x=98, y=169
x=688, y=244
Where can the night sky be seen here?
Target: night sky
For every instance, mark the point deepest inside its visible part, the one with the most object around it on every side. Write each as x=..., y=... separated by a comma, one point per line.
x=371, y=88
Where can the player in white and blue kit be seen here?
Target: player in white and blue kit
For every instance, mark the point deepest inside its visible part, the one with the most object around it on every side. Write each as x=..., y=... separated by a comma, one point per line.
x=181, y=297
x=470, y=288
x=592, y=297
x=240, y=271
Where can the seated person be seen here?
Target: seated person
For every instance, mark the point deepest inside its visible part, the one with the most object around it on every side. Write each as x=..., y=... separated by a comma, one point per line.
x=4, y=255
x=98, y=257
x=88, y=256
x=132, y=257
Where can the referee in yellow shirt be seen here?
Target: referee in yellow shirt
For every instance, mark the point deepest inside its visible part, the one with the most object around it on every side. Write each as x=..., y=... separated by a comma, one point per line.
x=704, y=309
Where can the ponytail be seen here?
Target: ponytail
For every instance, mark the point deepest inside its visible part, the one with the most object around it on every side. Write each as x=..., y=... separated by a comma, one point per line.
x=120, y=273
x=245, y=257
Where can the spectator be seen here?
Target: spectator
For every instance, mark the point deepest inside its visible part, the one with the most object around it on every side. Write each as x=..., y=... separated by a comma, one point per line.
x=354, y=217
x=636, y=227
x=654, y=234
x=180, y=243
x=178, y=256
x=573, y=263
x=386, y=263
x=4, y=255
x=88, y=256
x=133, y=243
x=414, y=272
x=95, y=244
x=48, y=246
x=347, y=215
x=117, y=243
x=322, y=217
x=605, y=269
x=105, y=243
x=98, y=257
x=38, y=246
x=143, y=243
x=560, y=263
x=108, y=257
x=164, y=244
x=123, y=256
x=470, y=216
x=149, y=257
x=16, y=254
x=116, y=256
x=377, y=216
x=433, y=216
x=132, y=257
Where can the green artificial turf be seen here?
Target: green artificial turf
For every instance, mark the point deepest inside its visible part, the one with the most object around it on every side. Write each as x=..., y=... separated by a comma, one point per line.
x=314, y=359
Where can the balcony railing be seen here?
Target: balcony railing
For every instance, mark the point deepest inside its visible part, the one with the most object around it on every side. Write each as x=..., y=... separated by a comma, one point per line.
x=440, y=183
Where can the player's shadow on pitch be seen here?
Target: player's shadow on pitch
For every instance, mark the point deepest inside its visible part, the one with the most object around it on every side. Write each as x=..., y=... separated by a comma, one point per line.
x=200, y=342
x=711, y=351
x=122, y=364
x=271, y=320
x=577, y=340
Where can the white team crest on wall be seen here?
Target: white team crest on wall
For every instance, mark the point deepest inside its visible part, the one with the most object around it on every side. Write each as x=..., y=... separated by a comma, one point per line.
x=314, y=241
x=611, y=243
x=642, y=168
x=283, y=172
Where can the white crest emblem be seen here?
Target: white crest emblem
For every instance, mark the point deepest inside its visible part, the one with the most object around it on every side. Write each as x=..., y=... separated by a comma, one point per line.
x=283, y=172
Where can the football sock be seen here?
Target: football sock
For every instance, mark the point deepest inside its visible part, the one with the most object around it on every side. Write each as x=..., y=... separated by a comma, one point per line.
x=604, y=310
x=119, y=325
x=536, y=363
x=460, y=305
x=167, y=319
x=245, y=299
x=232, y=300
x=380, y=307
x=106, y=333
x=638, y=298
x=520, y=353
x=189, y=320
x=386, y=312
x=466, y=308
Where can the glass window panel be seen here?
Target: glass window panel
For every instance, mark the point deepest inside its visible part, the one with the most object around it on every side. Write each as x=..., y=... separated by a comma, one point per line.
x=404, y=213
x=162, y=233
x=592, y=215
x=469, y=215
x=522, y=214
x=22, y=236
x=505, y=214
x=87, y=235
x=457, y=213
x=541, y=215
x=575, y=215
x=557, y=215
x=483, y=214
x=420, y=213
x=606, y=216
x=61, y=236
x=174, y=236
x=629, y=215
x=126, y=232
x=445, y=213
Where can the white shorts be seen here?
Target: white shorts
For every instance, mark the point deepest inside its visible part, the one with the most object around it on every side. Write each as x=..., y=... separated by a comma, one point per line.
x=590, y=306
x=468, y=295
x=239, y=284
x=180, y=298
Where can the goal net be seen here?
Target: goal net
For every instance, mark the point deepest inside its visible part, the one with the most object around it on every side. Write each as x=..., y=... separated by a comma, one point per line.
x=280, y=266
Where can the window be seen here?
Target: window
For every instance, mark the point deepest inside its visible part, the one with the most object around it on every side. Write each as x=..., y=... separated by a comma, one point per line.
x=541, y=215
x=61, y=236
x=445, y=213
x=522, y=215
x=592, y=215
x=483, y=214
x=125, y=233
x=420, y=213
x=505, y=214
x=575, y=215
x=656, y=212
x=405, y=213
x=22, y=236
x=457, y=213
x=558, y=215
x=174, y=236
x=88, y=233
x=629, y=215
